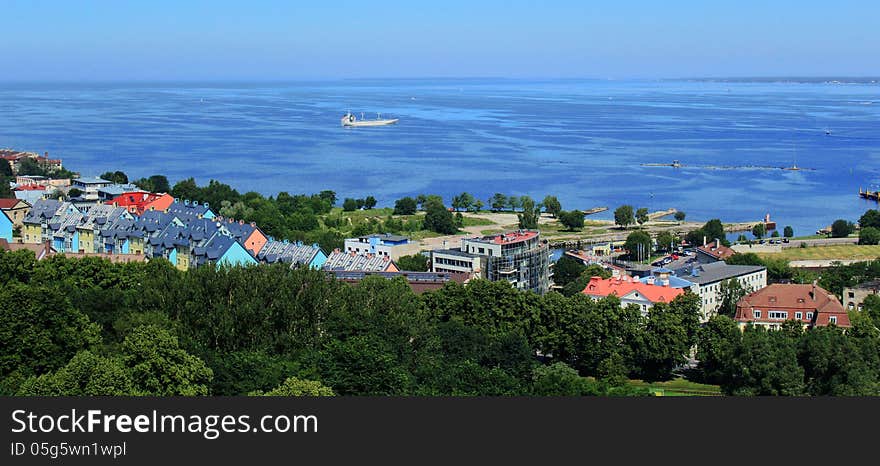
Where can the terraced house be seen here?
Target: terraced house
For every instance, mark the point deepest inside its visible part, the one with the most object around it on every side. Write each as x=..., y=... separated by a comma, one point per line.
x=36, y=224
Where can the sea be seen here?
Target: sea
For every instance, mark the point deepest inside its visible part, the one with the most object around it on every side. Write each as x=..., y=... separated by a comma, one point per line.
x=584, y=141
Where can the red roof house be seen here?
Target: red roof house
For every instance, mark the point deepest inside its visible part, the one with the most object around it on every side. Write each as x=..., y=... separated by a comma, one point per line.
x=631, y=291
x=809, y=304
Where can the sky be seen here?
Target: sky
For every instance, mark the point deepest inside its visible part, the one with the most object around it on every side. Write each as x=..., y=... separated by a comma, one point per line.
x=107, y=40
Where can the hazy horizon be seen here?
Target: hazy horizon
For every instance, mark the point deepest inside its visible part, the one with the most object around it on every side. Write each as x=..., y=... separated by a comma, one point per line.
x=272, y=40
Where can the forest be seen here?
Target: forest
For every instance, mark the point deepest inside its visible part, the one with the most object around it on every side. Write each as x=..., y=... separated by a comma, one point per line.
x=91, y=327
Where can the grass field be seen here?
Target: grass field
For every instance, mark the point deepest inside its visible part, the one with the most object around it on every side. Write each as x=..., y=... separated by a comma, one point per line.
x=837, y=251
x=678, y=387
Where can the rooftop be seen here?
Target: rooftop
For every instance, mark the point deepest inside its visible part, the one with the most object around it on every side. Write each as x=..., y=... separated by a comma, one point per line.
x=716, y=271
x=716, y=250
x=507, y=238
x=792, y=297
x=361, y=262
x=622, y=286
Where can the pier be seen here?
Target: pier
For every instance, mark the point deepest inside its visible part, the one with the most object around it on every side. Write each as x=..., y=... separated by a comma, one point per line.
x=870, y=195
x=595, y=210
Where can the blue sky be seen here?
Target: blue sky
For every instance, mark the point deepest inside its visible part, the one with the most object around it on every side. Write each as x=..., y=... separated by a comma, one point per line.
x=277, y=40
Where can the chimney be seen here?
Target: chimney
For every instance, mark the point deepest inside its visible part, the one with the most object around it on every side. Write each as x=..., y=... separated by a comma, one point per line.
x=336, y=250
x=813, y=291
x=704, y=240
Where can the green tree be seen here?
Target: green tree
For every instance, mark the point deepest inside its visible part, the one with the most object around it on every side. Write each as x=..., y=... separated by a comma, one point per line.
x=438, y=218
x=186, y=189
x=528, y=218
x=567, y=270
x=775, y=234
x=363, y=365
x=328, y=196
x=498, y=202
x=841, y=228
x=349, y=205
x=293, y=386
x=117, y=177
x=463, y=201
x=714, y=229
x=478, y=205
x=86, y=374
x=558, y=379
x=160, y=367
x=405, y=206
x=642, y=216
x=572, y=220
x=788, y=232
x=638, y=245
x=369, y=202
x=414, y=263
x=74, y=192
x=624, y=216
x=552, y=206
x=758, y=230
x=731, y=291
x=155, y=184
x=869, y=235
x=666, y=241
x=679, y=216
x=717, y=344
x=670, y=332
x=871, y=218
x=40, y=330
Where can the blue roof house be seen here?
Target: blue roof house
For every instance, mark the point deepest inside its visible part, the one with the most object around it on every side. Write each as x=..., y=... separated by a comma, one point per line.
x=5, y=227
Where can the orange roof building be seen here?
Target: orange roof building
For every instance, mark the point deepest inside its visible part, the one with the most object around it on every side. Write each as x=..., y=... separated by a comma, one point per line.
x=138, y=202
x=810, y=305
x=631, y=291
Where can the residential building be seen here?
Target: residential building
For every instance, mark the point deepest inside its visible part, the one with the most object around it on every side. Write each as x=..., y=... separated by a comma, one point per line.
x=666, y=277
x=384, y=244
x=222, y=250
x=114, y=190
x=187, y=210
x=62, y=229
x=137, y=202
x=420, y=282
x=631, y=291
x=95, y=219
x=15, y=158
x=30, y=194
x=16, y=210
x=713, y=252
x=296, y=254
x=43, y=181
x=246, y=233
x=351, y=261
x=854, y=297
x=36, y=228
x=518, y=257
x=810, y=305
x=6, y=226
x=708, y=279
x=90, y=186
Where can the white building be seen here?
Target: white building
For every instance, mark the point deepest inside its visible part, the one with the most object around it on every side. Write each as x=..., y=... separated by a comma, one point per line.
x=708, y=279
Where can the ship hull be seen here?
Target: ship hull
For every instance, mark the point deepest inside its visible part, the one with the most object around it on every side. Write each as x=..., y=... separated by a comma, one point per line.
x=360, y=123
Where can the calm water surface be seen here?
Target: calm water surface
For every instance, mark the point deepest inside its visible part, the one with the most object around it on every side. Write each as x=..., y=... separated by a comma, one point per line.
x=583, y=141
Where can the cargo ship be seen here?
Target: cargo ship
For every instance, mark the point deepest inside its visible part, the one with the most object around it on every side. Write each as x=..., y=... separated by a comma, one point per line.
x=350, y=120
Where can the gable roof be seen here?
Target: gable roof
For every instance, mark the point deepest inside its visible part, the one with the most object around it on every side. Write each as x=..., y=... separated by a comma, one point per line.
x=289, y=253
x=11, y=203
x=365, y=262
x=792, y=297
x=716, y=271
x=623, y=286
x=716, y=250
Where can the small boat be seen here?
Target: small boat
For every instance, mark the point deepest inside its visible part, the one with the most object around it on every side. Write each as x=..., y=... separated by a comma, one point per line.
x=350, y=120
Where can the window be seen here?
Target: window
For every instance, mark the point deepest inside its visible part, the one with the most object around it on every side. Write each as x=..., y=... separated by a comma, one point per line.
x=809, y=316
x=852, y=295
x=832, y=319
x=780, y=315
x=757, y=314
x=798, y=315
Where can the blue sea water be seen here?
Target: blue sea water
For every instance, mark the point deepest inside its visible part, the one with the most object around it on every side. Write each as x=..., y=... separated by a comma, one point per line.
x=581, y=140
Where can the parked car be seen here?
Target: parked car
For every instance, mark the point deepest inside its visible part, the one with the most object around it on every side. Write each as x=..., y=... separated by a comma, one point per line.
x=784, y=240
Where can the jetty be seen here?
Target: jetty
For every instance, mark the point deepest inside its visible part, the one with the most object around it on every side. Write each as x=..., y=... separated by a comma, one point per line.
x=870, y=195
x=595, y=210
x=661, y=214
